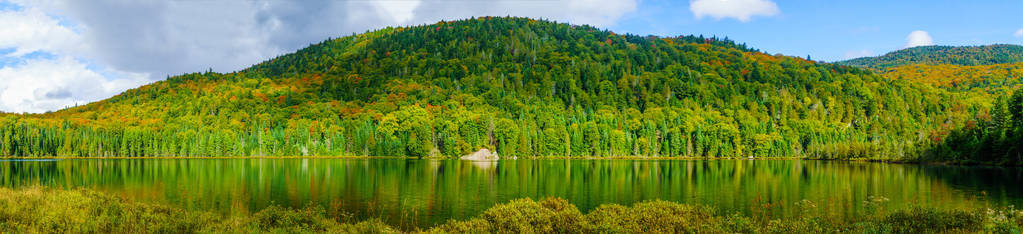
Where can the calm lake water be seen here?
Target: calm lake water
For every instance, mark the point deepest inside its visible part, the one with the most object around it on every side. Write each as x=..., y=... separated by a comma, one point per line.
x=427, y=192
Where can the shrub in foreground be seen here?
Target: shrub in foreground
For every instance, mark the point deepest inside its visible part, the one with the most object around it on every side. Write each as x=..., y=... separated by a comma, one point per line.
x=42, y=210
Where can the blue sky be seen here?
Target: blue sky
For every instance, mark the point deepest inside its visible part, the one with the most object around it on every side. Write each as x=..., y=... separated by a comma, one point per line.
x=59, y=53
x=831, y=30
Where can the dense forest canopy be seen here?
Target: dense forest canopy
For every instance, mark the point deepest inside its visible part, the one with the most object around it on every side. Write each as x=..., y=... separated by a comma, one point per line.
x=937, y=55
x=995, y=133
x=519, y=86
x=990, y=78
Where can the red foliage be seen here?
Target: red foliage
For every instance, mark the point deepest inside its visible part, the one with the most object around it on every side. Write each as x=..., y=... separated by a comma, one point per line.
x=970, y=125
x=261, y=96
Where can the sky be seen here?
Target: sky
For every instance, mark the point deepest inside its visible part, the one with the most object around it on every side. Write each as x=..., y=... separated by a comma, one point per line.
x=60, y=53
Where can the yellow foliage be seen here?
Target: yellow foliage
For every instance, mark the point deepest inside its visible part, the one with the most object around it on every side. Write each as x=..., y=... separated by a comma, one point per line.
x=954, y=75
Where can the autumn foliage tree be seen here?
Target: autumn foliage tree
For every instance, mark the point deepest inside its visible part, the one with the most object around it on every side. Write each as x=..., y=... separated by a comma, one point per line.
x=519, y=86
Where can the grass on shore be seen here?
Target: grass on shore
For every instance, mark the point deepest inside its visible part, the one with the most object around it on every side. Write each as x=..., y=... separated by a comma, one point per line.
x=45, y=210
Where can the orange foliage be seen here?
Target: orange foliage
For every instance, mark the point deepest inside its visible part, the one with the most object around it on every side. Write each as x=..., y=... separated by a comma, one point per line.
x=349, y=111
x=261, y=96
x=954, y=75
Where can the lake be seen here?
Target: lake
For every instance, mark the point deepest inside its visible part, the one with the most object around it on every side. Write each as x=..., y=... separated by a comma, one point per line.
x=424, y=193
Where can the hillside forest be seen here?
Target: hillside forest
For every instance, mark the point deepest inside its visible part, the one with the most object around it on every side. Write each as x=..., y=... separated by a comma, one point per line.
x=537, y=88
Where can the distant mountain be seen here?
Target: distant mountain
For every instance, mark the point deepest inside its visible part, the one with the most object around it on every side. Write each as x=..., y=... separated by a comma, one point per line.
x=993, y=79
x=938, y=55
x=518, y=86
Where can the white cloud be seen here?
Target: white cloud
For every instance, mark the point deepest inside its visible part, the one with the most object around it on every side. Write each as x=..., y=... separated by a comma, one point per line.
x=1019, y=33
x=30, y=30
x=39, y=85
x=174, y=37
x=597, y=12
x=741, y=10
x=401, y=11
x=56, y=79
x=858, y=54
x=117, y=45
x=592, y=12
x=919, y=38
x=153, y=39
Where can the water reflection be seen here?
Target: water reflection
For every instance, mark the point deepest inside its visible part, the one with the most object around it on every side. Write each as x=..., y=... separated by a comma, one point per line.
x=485, y=165
x=427, y=192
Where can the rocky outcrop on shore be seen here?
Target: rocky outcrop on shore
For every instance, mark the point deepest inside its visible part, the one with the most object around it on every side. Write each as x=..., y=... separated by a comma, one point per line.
x=481, y=155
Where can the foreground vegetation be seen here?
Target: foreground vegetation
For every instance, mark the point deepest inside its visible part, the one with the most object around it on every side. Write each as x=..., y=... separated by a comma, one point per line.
x=31, y=210
x=34, y=210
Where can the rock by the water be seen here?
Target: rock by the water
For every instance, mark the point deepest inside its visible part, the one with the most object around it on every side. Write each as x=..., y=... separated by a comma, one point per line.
x=481, y=155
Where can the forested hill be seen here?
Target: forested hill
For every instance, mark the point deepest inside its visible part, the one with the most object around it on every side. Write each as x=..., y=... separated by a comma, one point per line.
x=987, y=78
x=994, y=79
x=993, y=69
x=519, y=86
x=937, y=55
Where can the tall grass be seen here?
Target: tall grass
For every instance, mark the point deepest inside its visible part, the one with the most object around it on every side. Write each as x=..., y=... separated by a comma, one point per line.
x=44, y=210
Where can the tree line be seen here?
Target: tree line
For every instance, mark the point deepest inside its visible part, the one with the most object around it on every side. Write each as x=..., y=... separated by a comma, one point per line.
x=995, y=135
x=519, y=86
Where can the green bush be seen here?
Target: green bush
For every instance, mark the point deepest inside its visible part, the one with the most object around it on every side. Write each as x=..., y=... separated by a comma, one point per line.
x=928, y=220
x=42, y=210
x=553, y=215
x=655, y=217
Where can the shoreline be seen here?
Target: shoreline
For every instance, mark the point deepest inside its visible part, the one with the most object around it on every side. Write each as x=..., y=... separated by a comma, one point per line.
x=638, y=158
